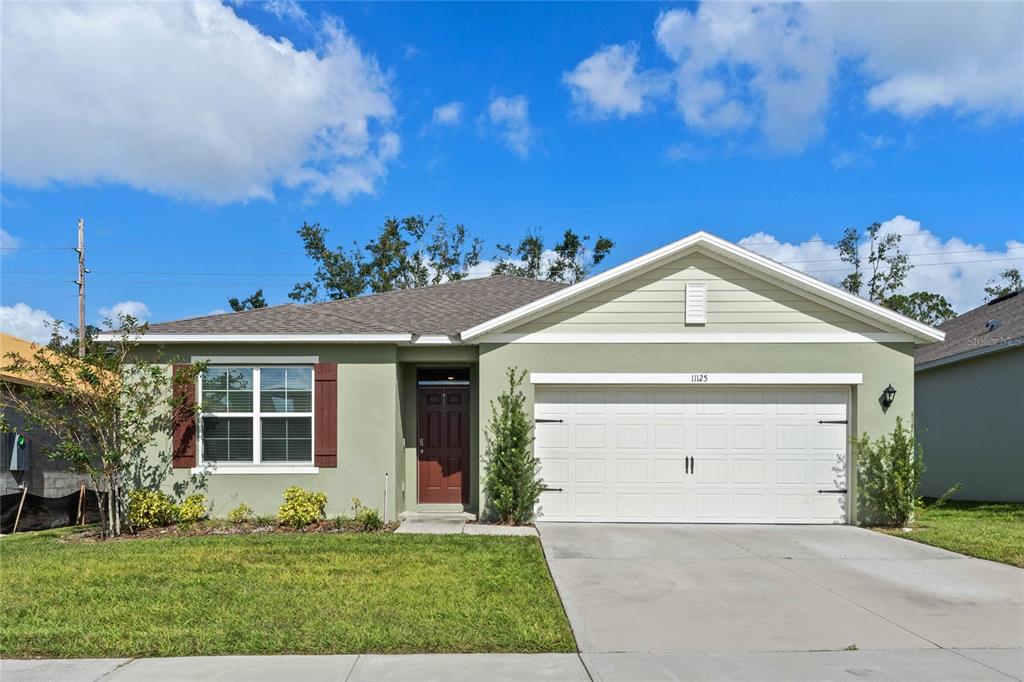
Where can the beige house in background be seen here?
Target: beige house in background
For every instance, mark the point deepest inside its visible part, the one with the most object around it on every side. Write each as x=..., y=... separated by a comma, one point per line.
x=969, y=404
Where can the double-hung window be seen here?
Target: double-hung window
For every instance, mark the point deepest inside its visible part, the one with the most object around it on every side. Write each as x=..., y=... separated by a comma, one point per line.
x=257, y=415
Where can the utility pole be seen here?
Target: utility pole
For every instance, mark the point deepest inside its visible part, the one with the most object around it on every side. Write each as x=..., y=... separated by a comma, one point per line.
x=81, y=287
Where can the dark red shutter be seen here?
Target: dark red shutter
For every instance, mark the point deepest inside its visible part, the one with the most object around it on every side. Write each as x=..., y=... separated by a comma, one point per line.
x=184, y=448
x=325, y=399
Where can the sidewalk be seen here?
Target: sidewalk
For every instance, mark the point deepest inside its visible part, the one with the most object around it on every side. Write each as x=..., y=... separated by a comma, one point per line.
x=932, y=664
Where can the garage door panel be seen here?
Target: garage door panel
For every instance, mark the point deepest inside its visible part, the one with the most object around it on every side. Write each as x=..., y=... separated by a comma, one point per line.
x=759, y=455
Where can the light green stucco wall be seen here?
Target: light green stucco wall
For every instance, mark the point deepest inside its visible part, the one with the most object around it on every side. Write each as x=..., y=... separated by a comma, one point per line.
x=880, y=364
x=970, y=420
x=369, y=433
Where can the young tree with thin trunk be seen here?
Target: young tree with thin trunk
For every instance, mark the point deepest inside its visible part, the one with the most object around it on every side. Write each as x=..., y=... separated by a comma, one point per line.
x=103, y=411
x=512, y=484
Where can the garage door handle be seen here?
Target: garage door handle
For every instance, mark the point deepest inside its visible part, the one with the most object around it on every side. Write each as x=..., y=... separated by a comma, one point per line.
x=841, y=491
x=548, y=421
x=551, y=490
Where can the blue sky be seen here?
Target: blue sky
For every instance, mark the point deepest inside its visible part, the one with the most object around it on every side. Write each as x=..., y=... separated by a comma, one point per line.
x=195, y=139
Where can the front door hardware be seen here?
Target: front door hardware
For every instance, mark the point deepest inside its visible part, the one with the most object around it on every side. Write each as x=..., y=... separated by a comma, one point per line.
x=832, y=421
x=841, y=491
x=551, y=490
x=548, y=421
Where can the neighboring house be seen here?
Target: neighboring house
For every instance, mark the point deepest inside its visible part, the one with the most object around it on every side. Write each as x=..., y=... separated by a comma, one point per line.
x=53, y=489
x=699, y=382
x=970, y=404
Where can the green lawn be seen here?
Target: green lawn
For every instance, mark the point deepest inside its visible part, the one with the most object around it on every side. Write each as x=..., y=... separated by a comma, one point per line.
x=276, y=594
x=988, y=530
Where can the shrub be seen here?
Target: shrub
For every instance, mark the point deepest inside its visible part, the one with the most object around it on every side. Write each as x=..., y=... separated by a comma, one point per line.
x=265, y=520
x=512, y=484
x=240, y=514
x=301, y=507
x=369, y=520
x=150, y=508
x=192, y=509
x=889, y=472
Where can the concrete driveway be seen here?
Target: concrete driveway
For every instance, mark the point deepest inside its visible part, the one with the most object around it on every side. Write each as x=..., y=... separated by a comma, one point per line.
x=686, y=588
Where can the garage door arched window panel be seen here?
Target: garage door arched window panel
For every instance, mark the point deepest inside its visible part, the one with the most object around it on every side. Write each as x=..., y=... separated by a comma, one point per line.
x=257, y=415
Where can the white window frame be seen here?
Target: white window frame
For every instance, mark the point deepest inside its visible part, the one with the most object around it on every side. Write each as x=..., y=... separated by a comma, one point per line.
x=256, y=464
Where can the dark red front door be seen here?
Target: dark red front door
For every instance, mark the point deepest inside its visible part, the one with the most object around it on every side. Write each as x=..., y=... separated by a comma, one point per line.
x=443, y=445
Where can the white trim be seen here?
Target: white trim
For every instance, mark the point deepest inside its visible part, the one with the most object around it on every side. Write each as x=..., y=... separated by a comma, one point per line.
x=264, y=338
x=970, y=354
x=257, y=359
x=432, y=340
x=223, y=469
x=695, y=378
x=922, y=332
x=698, y=337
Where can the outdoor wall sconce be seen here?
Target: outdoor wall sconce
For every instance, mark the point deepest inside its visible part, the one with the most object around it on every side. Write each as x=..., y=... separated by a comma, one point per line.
x=888, y=395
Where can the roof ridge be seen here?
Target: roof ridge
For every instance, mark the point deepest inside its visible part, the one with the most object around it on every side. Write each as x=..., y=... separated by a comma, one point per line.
x=227, y=313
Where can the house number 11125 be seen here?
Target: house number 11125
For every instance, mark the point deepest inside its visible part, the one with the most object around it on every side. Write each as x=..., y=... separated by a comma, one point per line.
x=698, y=378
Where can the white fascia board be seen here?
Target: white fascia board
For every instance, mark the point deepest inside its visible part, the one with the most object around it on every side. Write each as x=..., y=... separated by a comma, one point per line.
x=695, y=378
x=921, y=332
x=698, y=337
x=433, y=340
x=265, y=338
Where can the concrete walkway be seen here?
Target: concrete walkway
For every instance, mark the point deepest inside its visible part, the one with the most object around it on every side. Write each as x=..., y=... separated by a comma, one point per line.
x=932, y=664
x=433, y=523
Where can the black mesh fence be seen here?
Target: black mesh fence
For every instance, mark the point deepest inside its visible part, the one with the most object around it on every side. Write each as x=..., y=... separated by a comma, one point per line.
x=40, y=513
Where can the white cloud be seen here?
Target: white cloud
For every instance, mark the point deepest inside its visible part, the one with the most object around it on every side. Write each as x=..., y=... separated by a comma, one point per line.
x=136, y=309
x=8, y=242
x=218, y=311
x=26, y=322
x=511, y=117
x=771, y=68
x=449, y=114
x=287, y=9
x=608, y=83
x=953, y=267
x=188, y=100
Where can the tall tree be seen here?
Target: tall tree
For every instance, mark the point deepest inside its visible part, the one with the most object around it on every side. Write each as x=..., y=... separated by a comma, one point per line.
x=407, y=253
x=1011, y=282
x=922, y=306
x=251, y=303
x=571, y=259
x=102, y=412
x=888, y=264
x=887, y=268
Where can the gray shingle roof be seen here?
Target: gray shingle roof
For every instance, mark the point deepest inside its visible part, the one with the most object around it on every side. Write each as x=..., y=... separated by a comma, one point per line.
x=970, y=331
x=440, y=309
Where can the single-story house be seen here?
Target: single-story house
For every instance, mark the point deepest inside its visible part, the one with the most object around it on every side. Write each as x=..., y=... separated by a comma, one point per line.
x=699, y=382
x=970, y=404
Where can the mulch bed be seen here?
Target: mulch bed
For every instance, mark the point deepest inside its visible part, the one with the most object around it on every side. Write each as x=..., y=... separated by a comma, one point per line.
x=227, y=528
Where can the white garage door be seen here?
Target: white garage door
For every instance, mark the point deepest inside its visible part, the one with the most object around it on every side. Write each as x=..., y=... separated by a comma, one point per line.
x=708, y=454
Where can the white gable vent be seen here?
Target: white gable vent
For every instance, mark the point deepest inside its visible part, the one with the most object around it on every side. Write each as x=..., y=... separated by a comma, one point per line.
x=696, y=302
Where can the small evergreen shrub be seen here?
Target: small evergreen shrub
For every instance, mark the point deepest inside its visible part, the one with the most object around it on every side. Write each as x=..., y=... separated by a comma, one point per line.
x=264, y=520
x=301, y=507
x=150, y=508
x=512, y=484
x=369, y=520
x=192, y=509
x=240, y=514
x=889, y=472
